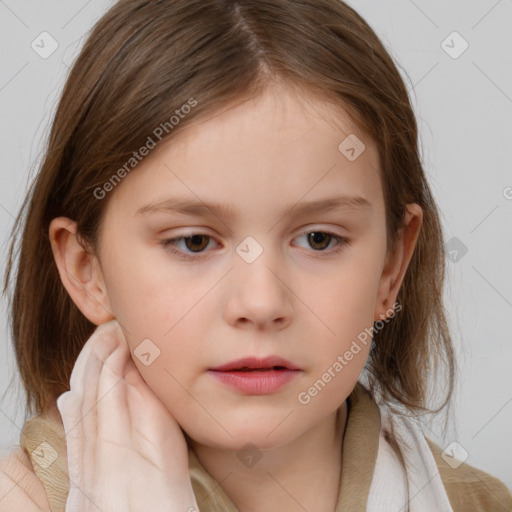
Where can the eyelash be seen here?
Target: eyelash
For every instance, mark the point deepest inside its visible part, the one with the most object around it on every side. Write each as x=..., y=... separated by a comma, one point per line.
x=169, y=245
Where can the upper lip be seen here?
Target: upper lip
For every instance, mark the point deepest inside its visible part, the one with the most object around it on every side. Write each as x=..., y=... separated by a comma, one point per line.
x=256, y=363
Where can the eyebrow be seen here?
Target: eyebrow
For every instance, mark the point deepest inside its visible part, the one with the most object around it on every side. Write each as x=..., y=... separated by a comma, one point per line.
x=186, y=206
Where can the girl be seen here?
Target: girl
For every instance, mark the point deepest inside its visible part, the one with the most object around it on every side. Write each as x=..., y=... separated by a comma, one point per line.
x=229, y=290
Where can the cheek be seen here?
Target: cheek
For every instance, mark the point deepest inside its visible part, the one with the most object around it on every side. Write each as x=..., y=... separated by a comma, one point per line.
x=168, y=371
x=146, y=298
x=348, y=300
x=159, y=313
x=346, y=308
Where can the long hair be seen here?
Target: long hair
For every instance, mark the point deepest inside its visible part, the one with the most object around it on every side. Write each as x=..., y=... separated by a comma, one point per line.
x=141, y=64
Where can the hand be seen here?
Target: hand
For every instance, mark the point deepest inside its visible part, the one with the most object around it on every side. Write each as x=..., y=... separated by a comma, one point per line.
x=125, y=450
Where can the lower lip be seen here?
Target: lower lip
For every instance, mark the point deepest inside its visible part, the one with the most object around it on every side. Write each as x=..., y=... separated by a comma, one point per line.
x=255, y=382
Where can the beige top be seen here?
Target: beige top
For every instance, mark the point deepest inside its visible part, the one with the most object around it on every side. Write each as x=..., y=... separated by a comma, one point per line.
x=468, y=488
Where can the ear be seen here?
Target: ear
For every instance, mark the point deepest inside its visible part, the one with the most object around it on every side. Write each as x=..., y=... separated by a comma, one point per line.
x=79, y=271
x=397, y=261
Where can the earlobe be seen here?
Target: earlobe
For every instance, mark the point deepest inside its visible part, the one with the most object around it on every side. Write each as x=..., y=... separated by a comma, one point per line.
x=79, y=271
x=397, y=262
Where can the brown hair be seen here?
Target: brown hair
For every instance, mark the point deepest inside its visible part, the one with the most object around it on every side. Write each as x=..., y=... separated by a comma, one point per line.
x=146, y=58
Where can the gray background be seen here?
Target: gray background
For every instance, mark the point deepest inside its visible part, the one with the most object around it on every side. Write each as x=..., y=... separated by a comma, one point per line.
x=464, y=109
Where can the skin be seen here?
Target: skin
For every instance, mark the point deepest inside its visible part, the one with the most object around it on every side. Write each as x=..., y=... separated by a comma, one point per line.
x=298, y=300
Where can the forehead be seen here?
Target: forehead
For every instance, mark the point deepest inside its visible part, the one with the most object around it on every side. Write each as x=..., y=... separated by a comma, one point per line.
x=280, y=115
x=281, y=147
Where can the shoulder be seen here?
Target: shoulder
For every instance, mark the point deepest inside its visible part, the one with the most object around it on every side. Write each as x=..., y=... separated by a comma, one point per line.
x=469, y=488
x=20, y=488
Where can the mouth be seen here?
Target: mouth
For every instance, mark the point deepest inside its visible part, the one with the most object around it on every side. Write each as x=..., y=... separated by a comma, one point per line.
x=246, y=369
x=256, y=375
x=256, y=364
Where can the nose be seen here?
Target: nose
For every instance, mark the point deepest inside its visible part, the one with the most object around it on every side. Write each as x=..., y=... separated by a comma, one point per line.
x=260, y=294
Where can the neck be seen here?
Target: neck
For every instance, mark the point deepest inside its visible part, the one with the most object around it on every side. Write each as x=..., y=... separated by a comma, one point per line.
x=290, y=477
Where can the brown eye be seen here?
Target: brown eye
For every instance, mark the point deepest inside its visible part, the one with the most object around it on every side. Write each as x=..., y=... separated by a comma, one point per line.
x=194, y=246
x=194, y=242
x=324, y=242
x=319, y=240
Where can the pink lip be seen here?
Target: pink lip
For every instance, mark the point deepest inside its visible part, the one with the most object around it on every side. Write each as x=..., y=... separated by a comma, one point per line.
x=260, y=377
x=255, y=382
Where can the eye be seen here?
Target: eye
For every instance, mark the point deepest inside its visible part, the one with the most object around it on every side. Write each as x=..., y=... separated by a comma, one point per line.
x=197, y=242
x=322, y=239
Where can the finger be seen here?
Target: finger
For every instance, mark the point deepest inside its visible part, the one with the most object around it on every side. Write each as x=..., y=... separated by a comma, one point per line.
x=103, y=343
x=156, y=432
x=112, y=409
x=100, y=334
x=102, y=347
x=146, y=413
x=69, y=408
x=78, y=406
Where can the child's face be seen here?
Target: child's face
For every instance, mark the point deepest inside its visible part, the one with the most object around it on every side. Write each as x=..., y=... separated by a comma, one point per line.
x=299, y=299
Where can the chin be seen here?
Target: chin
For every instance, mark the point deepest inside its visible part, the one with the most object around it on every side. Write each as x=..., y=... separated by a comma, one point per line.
x=263, y=436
